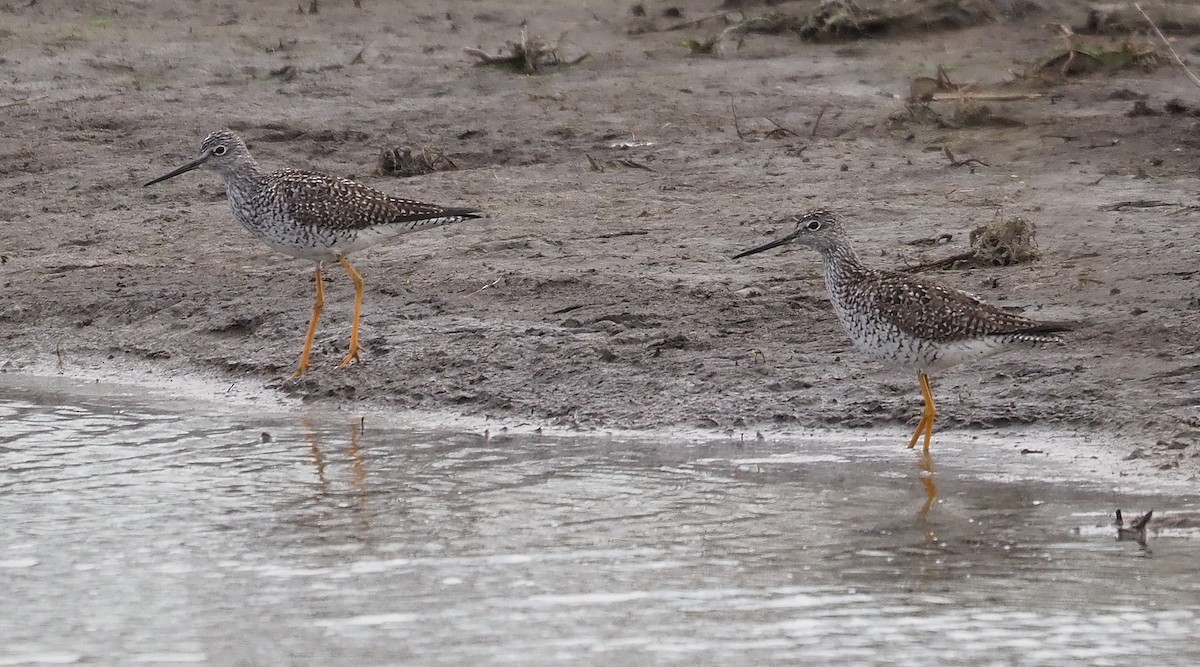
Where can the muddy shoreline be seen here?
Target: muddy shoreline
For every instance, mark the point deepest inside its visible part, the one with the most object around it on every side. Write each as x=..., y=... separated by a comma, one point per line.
x=598, y=293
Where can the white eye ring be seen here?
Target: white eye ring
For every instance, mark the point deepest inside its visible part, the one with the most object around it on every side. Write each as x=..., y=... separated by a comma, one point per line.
x=219, y=150
x=813, y=225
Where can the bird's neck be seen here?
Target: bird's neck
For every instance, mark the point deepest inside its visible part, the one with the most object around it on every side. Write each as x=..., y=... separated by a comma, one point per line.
x=842, y=265
x=243, y=176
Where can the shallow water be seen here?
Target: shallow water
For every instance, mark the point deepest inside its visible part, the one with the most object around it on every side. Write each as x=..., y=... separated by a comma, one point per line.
x=143, y=532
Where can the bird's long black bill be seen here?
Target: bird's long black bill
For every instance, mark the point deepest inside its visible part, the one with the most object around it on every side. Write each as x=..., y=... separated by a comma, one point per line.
x=182, y=170
x=762, y=248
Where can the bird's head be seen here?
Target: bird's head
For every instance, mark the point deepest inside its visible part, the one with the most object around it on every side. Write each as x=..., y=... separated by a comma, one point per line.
x=818, y=229
x=220, y=151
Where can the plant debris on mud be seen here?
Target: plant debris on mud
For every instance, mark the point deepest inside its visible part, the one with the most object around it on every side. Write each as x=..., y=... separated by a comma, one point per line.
x=968, y=100
x=405, y=162
x=1001, y=243
x=1080, y=57
x=528, y=55
x=847, y=19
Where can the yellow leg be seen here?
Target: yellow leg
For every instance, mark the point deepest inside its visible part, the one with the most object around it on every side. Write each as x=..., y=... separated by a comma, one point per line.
x=318, y=305
x=931, y=407
x=920, y=429
x=927, y=417
x=352, y=356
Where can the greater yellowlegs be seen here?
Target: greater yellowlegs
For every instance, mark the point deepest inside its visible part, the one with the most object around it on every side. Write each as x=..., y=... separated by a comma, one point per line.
x=313, y=216
x=904, y=321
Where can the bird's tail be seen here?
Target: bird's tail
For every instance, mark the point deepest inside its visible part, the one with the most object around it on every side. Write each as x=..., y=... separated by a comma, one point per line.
x=464, y=213
x=1050, y=327
x=435, y=217
x=1035, y=331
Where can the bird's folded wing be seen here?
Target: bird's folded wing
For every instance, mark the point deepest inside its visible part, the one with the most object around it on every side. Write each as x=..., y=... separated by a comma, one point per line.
x=341, y=204
x=943, y=314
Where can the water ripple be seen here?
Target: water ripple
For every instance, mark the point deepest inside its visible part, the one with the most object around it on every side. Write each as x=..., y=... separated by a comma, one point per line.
x=138, y=533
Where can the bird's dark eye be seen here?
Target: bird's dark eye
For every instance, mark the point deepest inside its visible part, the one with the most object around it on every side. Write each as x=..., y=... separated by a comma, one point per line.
x=219, y=150
x=813, y=225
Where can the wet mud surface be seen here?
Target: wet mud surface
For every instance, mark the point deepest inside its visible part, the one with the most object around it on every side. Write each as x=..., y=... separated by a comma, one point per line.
x=599, y=293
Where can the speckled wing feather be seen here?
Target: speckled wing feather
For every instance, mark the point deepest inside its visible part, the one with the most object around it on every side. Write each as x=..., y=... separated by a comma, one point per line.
x=941, y=314
x=335, y=203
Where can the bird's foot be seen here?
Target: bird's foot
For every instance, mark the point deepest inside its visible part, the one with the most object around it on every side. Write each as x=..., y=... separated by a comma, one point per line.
x=351, y=357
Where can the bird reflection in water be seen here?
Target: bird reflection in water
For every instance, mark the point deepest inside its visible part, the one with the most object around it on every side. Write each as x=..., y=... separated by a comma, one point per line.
x=930, y=485
x=358, y=465
x=318, y=456
x=356, y=452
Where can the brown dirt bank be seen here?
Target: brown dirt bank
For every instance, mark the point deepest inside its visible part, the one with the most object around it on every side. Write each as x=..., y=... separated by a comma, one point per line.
x=597, y=298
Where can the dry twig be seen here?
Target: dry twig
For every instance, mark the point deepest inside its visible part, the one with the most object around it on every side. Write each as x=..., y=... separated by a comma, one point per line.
x=955, y=162
x=702, y=19
x=24, y=100
x=1163, y=37
x=780, y=130
x=1136, y=204
x=817, y=122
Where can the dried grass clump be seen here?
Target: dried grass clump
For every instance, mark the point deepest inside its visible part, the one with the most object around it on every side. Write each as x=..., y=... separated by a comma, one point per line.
x=1004, y=243
x=1001, y=243
x=405, y=162
x=1081, y=57
x=848, y=19
x=528, y=55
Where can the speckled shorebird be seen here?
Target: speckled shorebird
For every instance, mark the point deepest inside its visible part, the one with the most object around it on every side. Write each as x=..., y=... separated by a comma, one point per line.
x=904, y=321
x=313, y=216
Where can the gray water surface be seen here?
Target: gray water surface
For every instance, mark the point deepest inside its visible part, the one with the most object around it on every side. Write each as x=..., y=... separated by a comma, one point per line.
x=142, y=532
